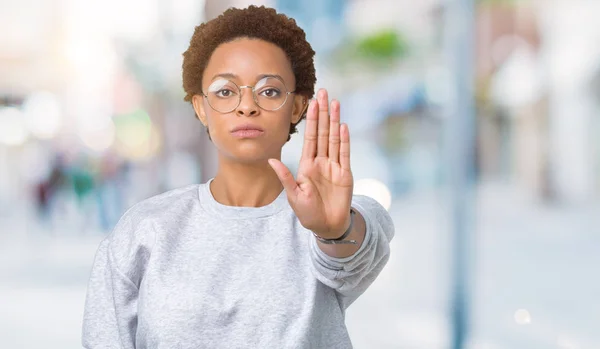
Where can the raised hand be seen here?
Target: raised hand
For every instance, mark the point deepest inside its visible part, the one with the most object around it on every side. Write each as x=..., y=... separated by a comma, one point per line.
x=322, y=192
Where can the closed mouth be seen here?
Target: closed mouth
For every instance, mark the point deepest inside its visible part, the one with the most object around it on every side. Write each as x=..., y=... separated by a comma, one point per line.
x=247, y=128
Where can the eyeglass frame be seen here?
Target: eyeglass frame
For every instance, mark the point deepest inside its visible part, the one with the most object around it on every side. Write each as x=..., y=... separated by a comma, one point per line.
x=287, y=93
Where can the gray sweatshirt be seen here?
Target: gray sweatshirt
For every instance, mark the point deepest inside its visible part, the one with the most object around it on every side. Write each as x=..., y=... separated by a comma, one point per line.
x=181, y=270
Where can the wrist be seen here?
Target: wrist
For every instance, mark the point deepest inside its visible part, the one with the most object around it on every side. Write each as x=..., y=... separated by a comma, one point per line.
x=347, y=226
x=339, y=237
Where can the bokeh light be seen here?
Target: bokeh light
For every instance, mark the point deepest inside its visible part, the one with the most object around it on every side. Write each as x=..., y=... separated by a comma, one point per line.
x=136, y=137
x=522, y=317
x=43, y=114
x=374, y=189
x=13, y=131
x=99, y=137
x=134, y=129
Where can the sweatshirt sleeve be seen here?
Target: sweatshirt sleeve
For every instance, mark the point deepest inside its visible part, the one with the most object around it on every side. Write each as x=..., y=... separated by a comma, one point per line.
x=110, y=314
x=351, y=276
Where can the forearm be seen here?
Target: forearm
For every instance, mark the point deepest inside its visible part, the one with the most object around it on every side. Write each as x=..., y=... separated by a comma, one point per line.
x=345, y=250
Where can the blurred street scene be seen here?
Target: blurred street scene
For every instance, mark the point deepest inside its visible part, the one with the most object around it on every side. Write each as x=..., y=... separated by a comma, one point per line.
x=92, y=120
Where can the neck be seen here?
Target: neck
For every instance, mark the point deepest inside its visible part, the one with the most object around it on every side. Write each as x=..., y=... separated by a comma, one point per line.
x=245, y=185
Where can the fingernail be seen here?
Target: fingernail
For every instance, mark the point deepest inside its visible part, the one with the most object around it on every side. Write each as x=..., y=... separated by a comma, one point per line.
x=335, y=105
x=322, y=96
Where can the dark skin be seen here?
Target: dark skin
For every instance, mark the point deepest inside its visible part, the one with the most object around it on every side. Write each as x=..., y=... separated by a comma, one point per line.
x=250, y=172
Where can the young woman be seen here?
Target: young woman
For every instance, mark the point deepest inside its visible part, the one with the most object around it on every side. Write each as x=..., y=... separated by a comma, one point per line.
x=254, y=258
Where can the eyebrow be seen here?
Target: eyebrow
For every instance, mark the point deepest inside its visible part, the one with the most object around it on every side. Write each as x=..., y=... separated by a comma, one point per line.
x=259, y=77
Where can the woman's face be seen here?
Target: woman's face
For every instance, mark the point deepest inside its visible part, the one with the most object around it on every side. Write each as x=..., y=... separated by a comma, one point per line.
x=246, y=62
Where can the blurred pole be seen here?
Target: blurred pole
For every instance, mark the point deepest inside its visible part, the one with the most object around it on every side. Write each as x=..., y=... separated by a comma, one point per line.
x=460, y=132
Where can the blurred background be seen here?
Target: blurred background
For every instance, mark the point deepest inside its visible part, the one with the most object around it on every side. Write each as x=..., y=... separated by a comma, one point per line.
x=92, y=120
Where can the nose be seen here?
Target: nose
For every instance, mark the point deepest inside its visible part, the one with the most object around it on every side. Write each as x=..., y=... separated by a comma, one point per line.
x=247, y=105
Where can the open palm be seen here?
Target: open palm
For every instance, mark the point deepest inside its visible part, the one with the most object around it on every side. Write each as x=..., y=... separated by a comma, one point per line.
x=321, y=193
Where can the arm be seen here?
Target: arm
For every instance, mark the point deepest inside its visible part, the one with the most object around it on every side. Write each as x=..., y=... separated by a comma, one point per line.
x=321, y=197
x=350, y=276
x=110, y=315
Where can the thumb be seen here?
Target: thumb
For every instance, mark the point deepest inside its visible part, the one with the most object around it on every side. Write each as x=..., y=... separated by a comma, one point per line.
x=285, y=176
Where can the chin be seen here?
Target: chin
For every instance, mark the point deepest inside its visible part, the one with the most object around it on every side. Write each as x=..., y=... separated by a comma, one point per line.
x=249, y=154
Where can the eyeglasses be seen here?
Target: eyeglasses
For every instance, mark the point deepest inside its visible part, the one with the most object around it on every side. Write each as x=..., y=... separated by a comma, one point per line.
x=269, y=93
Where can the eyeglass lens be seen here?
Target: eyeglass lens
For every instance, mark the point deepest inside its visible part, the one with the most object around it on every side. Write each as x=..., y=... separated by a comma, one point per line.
x=224, y=95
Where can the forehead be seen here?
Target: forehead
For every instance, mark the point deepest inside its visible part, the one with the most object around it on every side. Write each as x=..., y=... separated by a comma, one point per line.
x=249, y=58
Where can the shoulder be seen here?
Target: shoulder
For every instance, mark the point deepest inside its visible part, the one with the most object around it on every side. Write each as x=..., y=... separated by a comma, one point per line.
x=140, y=223
x=169, y=201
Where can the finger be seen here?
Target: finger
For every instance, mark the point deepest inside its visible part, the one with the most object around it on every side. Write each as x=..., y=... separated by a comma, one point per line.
x=334, y=132
x=345, y=147
x=286, y=178
x=323, y=126
x=309, y=149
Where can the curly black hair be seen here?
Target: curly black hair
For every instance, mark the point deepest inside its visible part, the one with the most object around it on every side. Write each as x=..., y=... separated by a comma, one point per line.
x=257, y=23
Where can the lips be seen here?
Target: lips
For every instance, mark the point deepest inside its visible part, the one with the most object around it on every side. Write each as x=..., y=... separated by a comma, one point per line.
x=247, y=131
x=247, y=127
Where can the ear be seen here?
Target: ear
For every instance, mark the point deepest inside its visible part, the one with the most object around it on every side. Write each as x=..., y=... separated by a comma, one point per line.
x=198, y=104
x=300, y=106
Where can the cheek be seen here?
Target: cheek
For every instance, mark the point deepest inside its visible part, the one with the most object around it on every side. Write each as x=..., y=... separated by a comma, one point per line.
x=283, y=124
x=217, y=127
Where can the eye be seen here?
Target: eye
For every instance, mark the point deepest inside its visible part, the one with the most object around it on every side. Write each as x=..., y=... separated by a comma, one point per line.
x=224, y=93
x=270, y=93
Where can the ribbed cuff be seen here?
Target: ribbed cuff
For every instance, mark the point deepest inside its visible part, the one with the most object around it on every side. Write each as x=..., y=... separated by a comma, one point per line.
x=339, y=262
